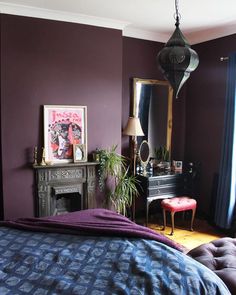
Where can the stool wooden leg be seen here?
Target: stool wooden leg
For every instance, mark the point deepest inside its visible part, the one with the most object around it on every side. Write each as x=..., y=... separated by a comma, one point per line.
x=172, y=222
x=164, y=219
x=193, y=215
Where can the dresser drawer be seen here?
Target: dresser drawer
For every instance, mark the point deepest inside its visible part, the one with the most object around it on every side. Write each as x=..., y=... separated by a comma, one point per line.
x=163, y=190
x=162, y=181
x=155, y=186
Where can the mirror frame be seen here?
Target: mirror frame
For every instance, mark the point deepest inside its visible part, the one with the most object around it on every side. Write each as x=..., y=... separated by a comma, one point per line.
x=170, y=101
x=144, y=163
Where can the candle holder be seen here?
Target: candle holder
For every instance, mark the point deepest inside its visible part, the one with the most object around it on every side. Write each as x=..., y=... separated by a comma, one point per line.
x=35, y=155
x=43, y=163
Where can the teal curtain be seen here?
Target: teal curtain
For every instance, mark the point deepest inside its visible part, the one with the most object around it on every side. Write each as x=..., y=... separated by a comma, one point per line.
x=226, y=199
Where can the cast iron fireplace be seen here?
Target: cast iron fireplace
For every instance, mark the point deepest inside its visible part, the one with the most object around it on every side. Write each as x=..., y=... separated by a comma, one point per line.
x=65, y=188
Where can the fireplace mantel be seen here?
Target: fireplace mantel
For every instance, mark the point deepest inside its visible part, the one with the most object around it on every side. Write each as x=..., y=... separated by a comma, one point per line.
x=56, y=183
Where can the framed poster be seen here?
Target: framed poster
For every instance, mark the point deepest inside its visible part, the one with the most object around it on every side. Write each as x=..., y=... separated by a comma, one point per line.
x=64, y=126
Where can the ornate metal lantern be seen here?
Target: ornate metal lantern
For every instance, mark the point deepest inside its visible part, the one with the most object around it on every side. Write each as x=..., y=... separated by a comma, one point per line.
x=177, y=60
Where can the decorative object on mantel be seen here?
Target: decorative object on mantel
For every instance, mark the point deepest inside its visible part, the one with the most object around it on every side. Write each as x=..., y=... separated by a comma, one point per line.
x=134, y=129
x=35, y=155
x=79, y=153
x=114, y=179
x=177, y=60
x=43, y=162
x=63, y=127
x=95, y=155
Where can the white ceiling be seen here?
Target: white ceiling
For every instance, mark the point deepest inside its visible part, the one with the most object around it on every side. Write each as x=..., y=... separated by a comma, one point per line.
x=201, y=20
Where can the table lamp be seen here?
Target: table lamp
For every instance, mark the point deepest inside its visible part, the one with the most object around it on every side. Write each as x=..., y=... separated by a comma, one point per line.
x=134, y=129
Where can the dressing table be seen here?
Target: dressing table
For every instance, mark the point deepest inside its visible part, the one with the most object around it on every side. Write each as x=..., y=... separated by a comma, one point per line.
x=160, y=186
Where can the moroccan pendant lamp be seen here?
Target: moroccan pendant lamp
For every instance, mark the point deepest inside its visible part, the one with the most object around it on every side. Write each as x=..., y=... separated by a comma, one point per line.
x=177, y=60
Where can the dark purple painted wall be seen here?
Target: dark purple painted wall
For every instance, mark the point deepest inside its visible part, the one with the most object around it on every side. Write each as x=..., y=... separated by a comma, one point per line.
x=198, y=113
x=205, y=104
x=139, y=58
x=139, y=61
x=50, y=62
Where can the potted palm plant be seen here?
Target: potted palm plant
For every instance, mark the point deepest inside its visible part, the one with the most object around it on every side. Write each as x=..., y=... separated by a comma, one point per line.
x=118, y=185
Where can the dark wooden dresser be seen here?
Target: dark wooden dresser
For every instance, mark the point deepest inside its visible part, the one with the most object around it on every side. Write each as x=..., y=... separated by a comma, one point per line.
x=161, y=186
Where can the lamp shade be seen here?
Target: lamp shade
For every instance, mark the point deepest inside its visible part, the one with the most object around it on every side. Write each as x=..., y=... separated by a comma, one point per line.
x=133, y=127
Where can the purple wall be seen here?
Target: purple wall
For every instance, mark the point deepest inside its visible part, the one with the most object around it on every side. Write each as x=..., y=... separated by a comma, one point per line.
x=198, y=113
x=205, y=104
x=139, y=61
x=50, y=62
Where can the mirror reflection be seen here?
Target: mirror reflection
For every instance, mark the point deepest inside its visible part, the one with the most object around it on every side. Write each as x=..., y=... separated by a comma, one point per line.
x=152, y=103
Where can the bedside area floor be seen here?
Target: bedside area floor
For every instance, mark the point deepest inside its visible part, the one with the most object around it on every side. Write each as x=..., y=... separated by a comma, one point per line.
x=203, y=231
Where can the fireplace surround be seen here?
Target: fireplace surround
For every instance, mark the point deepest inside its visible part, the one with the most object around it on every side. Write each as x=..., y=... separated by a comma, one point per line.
x=65, y=188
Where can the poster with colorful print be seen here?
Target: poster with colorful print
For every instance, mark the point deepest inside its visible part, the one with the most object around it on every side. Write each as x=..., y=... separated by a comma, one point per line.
x=64, y=126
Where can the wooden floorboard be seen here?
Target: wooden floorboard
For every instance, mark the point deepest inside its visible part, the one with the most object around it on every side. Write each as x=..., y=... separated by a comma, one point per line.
x=203, y=231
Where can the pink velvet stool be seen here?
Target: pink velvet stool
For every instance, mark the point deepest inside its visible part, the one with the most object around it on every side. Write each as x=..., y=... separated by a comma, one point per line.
x=176, y=205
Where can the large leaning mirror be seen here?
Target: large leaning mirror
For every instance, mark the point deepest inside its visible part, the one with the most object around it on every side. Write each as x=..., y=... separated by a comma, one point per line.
x=152, y=103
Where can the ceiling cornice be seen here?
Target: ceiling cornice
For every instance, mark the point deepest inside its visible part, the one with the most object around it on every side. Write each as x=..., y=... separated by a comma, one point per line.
x=145, y=35
x=192, y=37
x=212, y=33
x=61, y=16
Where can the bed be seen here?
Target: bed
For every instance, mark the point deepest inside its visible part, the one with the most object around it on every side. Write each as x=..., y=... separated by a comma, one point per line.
x=96, y=252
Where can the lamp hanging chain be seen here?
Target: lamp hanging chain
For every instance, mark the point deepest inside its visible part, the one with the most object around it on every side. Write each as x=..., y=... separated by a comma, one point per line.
x=177, y=15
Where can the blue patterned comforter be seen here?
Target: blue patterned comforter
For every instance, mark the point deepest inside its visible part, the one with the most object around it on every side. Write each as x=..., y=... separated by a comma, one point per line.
x=51, y=263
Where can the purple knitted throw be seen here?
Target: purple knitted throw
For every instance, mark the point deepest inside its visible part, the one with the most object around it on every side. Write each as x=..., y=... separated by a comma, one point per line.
x=99, y=222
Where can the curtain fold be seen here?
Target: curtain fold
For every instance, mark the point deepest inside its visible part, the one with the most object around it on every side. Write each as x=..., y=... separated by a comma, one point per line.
x=225, y=198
